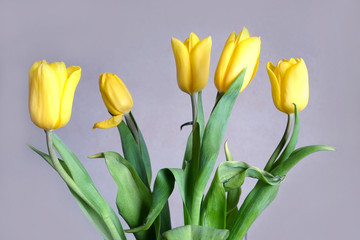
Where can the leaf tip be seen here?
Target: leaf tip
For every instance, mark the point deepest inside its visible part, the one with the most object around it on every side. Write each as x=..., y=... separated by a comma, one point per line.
x=97, y=155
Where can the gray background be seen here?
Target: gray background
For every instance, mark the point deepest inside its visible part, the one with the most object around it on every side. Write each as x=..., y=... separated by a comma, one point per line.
x=320, y=197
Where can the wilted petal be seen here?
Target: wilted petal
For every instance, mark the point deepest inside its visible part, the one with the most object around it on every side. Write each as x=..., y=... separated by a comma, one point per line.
x=110, y=123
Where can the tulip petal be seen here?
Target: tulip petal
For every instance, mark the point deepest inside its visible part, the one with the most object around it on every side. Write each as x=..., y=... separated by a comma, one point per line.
x=245, y=54
x=183, y=69
x=200, y=63
x=224, y=62
x=244, y=34
x=44, y=98
x=109, y=123
x=191, y=42
x=295, y=87
x=275, y=87
x=115, y=94
x=72, y=80
x=59, y=69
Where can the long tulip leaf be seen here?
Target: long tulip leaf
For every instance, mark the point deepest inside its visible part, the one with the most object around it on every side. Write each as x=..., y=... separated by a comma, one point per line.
x=292, y=142
x=194, y=232
x=233, y=195
x=281, y=144
x=133, y=198
x=96, y=209
x=201, y=121
x=213, y=211
x=144, y=151
x=192, y=168
x=212, y=141
x=132, y=152
x=263, y=194
x=298, y=155
x=163, y=187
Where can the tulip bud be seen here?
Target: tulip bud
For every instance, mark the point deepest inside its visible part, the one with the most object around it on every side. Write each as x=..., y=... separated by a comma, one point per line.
x=192, y=62
x=51, y=93
x=116, y=97
x=289, y=84
x=240, y=51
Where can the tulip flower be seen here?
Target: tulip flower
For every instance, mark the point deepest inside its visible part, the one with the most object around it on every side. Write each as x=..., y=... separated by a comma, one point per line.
x=289, y=84
x=240, y=51
x=116, y=97
x=192, y=62
x=51, y=93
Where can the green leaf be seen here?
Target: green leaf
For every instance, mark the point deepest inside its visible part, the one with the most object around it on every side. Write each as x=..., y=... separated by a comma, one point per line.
x=133, y=198
x=263, y=194
x=132, y=152
x=233, y=174
x=213, y=211
x=292, y=143
x=47, y=158
x=192, y=169
x=144, y=152
x=193, y=232
x=280, y=146
x=97, y=210
x=254, y=204
x=200, y=120
x=298, y=155
x=212, y=141
x=163, y=187
x=233, y=195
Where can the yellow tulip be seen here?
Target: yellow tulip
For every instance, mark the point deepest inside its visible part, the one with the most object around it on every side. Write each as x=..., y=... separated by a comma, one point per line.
x=51, y=93
x=192, y=62
x=240, y=51
x=289, y=84
x=116, y=97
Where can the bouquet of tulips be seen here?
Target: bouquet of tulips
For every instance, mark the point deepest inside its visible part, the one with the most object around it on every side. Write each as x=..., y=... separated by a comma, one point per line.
x=211, y=214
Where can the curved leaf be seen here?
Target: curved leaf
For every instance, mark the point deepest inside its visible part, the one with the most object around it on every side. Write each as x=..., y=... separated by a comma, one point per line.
x=200, y=120
x=213, y=210
x=298, y=155
x=212, y=141
x=233, y=174
x=163, y=187
x=132, y=152
x=96, y=209
x=194, y=232
x=133, y=198
x=292, y=142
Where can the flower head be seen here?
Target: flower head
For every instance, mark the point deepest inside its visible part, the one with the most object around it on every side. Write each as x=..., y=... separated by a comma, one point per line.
x=192, y=62
x=289, y=84
x=240, y=51
x=116, y=97
x=51, y=93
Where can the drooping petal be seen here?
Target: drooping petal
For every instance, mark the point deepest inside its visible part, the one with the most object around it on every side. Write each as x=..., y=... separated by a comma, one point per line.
x=223, y=62
x=183, y=69
x=295, y=87
x=245, y=54
x=200, y=63
x=275, y=87
x=73, y=77
x=109, y=123
x=44, y=98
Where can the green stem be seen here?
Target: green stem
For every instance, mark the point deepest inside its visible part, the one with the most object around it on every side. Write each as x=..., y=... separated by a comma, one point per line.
x=194, y=107
x=255, y=203
x=281, y=144
x=63, y=174
x=133, y=128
